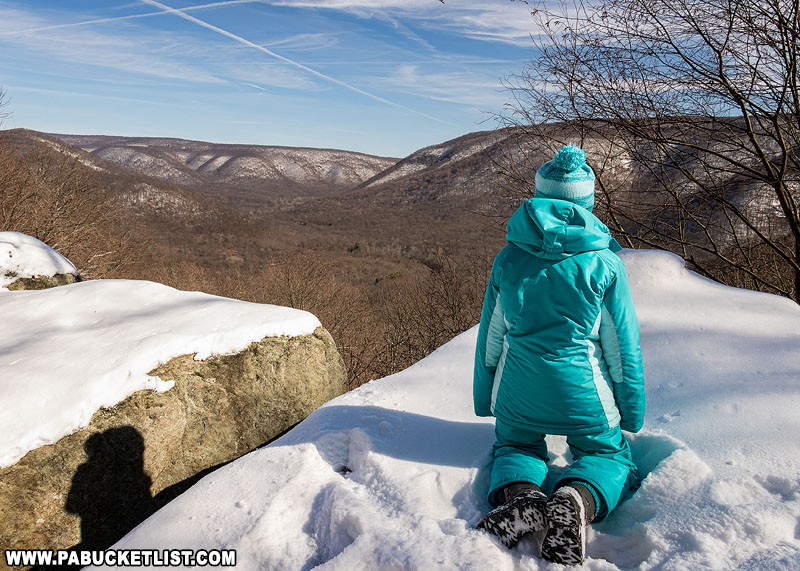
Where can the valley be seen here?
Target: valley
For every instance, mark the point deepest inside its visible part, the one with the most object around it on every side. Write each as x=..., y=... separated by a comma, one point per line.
x=363, y=242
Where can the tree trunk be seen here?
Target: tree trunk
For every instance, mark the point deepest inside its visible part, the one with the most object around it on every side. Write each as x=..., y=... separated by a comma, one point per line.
x=796, y=293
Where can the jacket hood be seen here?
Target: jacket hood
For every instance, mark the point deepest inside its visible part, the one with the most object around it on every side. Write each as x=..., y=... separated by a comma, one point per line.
x=556, y=229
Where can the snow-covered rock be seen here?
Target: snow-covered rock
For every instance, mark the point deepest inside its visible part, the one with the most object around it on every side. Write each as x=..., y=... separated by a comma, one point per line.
x=28, y=263
x=103, y=337
x=93, y=486
x=394, y=474
x=115, y=391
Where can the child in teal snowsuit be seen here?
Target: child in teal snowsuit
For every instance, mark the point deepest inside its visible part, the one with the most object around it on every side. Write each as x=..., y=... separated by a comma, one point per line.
x=558, y=353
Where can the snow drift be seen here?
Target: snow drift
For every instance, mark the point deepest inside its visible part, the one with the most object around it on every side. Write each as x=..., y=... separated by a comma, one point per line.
x=394, y=474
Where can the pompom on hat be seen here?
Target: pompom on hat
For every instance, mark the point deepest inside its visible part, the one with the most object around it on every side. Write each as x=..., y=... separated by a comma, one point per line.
x=567, y=177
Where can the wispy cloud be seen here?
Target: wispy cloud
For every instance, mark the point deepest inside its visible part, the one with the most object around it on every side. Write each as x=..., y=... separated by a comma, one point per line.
x=271, y=74
x=61, y=93
x=254, y=86
x=41, y=28
x=305, y=42
x=407, y=32
x=464, y=88
x=282, y=63
x=364, y=8
x=97, y=50
x=245, y=122
x=284, y=59
x=510, y=23
x=505, y=22
x=166, y=56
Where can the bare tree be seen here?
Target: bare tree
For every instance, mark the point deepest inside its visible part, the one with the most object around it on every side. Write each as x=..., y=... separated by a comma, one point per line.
x=690, y=114
x=56, y=199
x=3, y=103
x=420, y=314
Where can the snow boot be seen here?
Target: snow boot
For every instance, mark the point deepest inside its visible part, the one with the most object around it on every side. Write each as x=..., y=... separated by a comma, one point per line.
x=565, y=539
x=522, y=513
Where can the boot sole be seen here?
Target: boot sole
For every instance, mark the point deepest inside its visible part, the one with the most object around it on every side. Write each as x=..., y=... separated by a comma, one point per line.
x=565, y=540
x=514, y=519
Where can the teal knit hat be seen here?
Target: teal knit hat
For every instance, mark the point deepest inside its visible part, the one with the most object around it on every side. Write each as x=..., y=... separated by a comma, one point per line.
x=567, y=177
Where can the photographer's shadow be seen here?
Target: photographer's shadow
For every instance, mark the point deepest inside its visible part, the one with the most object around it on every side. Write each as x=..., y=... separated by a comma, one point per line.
x=110, y=491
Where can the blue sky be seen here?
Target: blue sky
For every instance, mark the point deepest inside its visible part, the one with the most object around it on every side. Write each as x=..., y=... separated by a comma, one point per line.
x=384, y=77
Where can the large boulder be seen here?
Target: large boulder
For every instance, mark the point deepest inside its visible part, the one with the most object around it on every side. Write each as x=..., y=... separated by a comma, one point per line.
x=29, y=263
x=92, y=440
x=91, y=487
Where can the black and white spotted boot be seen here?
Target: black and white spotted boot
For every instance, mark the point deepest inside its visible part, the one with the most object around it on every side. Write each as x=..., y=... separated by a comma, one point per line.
x=565, y=539
x=522, y=513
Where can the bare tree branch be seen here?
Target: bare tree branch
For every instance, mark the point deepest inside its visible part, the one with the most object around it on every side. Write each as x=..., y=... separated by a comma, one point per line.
x=690, y=114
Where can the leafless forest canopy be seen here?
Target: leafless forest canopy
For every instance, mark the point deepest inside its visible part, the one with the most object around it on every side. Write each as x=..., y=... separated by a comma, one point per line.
x=393, y=273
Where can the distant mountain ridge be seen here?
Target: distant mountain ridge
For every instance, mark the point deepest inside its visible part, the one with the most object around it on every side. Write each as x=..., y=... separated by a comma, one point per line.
x=440, y=156
x=308, y=185
x=281, y=170
x=462, y=171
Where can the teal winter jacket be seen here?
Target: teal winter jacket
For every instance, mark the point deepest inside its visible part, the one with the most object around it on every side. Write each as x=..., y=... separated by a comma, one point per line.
x=558, y=344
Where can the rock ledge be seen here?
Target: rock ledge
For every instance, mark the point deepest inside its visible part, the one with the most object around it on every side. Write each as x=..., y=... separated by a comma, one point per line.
x=93, y=486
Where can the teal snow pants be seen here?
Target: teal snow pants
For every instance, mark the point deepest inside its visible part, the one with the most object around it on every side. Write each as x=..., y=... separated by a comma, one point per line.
x=602, y=460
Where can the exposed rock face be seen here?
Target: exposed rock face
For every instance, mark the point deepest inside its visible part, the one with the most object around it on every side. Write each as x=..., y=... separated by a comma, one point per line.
x=93, y=486
x=43, y=282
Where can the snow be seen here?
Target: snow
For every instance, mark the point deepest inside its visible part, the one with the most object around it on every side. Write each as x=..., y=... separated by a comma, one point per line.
x=231, y=163
x=432, y=157
x=394, y=475
x=148, y=197
x=131, y=158
x=65, y=352
x=213, y=164
x=400, y=171
x=23, y=256
x=64, y=150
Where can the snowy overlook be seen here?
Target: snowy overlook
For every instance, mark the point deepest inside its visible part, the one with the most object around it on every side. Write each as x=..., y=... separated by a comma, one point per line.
x=393, y=475
x=100, y=339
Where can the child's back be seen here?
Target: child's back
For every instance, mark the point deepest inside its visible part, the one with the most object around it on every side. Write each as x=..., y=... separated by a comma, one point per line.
x=558, y=353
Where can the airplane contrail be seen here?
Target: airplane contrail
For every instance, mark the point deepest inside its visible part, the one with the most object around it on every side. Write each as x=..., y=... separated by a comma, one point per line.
x=284, y=59
x=119, y=18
